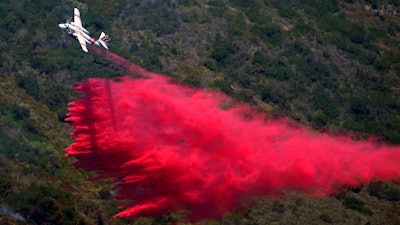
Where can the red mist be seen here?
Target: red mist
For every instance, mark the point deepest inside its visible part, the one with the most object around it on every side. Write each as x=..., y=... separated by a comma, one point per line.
x=169, y=148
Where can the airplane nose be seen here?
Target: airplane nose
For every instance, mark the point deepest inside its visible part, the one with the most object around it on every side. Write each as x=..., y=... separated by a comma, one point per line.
x=62, y=26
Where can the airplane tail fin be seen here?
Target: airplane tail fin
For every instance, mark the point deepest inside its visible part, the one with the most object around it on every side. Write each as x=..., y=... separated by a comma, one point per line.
x=103, y=40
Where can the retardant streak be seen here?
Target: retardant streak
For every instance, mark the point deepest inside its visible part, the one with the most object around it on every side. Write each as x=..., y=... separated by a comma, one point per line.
x=169, y=147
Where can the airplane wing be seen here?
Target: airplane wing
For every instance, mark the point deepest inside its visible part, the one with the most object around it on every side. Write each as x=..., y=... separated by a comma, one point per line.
x=77, y=17
x=82, y=42
x=78, y=22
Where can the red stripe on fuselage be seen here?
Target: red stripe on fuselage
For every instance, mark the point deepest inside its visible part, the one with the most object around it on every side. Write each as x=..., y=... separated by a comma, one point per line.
x=79, y=32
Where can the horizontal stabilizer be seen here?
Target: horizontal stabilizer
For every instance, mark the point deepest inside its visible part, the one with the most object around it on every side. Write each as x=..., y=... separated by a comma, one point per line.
x=103, y=40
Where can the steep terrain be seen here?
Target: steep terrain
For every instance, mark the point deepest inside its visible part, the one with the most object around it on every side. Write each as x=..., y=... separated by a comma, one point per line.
x=332, y=65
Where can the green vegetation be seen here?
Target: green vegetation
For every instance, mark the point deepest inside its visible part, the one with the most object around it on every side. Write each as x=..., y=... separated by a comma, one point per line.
x=332, y=65
x=356, y=204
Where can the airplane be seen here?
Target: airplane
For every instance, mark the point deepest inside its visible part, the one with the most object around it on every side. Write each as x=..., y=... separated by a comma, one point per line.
x=76, y=30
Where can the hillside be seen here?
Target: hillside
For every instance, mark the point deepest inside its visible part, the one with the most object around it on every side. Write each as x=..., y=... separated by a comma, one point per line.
x=331, y=65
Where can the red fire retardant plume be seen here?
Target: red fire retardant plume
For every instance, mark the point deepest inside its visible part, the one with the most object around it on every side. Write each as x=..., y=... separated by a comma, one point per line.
x=170, y=148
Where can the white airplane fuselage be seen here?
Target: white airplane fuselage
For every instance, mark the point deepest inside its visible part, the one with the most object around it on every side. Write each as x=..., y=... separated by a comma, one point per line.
x=74, y=31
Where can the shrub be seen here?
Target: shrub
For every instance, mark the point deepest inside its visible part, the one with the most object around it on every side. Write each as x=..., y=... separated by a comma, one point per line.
x=383, y=190
x=20, y=112
x=221, y=54
x=357, y=205
x=29, y=84
x=326, y=218
x=210, y=63
x=271, y=34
